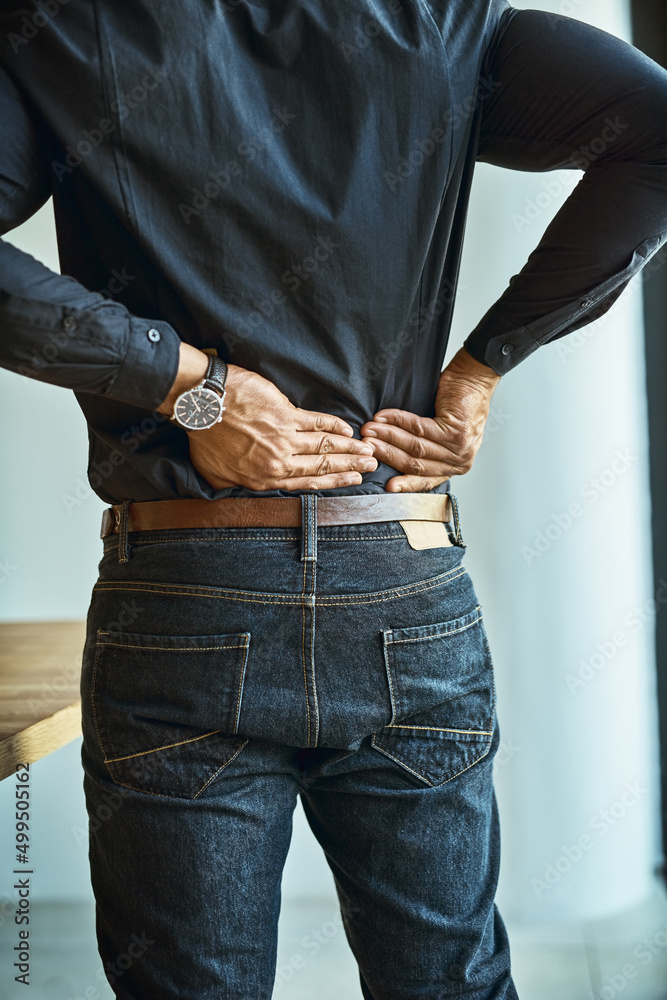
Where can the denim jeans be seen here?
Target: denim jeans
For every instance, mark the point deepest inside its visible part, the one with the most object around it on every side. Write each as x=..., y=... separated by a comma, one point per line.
x=229, y=671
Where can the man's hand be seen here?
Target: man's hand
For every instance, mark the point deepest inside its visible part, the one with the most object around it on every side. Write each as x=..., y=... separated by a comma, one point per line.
x=264, y=442
x=430, y=450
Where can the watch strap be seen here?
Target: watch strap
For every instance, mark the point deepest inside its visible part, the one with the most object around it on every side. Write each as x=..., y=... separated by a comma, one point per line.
x=216, y=374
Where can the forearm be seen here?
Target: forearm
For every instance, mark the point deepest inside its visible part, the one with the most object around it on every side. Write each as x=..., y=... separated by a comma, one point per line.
x=192, y=366
x=55, y=330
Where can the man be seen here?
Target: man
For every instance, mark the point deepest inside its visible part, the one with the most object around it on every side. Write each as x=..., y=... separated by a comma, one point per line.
x=260, y=210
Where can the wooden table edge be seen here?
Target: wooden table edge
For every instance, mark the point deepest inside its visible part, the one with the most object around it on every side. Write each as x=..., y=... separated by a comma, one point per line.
x=40, y=739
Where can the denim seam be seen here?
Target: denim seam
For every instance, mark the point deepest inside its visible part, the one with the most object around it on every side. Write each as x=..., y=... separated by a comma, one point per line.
x=441, y=729
x=421, y=776
x=397, y=592
x=239, y=693
x=170, y=649
x=216, y=773
x=303, y=642
x=334, y=602
x=275, y=538
x=295, y=599
x=437, y=635
x=227, y=538
x=163, y=795
x=92, y=695
x=312, y=600
x=394, y=711
x=168, y=746
x=406, y=766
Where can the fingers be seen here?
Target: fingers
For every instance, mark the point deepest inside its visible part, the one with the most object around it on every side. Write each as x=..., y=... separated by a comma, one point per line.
x=411, y=422
x=414, y=484
x=320, y=482
x=325, y=465
x=314, y=420
x=314, y=443
x=420, y=447
x=410, y=464
x=412, y=455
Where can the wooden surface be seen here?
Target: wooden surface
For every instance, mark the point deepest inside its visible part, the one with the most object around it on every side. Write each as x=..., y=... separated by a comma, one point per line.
x=40, y=669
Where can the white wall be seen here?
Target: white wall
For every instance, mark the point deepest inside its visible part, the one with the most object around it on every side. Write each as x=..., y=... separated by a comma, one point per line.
x=557, y=422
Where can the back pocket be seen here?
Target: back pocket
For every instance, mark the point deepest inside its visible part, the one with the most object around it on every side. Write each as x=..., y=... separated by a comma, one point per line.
x=442, y=693
x=166, y=708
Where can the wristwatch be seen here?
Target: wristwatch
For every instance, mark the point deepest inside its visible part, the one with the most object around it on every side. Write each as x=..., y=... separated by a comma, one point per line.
x=201, y=407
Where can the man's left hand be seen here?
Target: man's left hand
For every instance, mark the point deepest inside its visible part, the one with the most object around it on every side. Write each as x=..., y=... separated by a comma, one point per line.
x=429, y=450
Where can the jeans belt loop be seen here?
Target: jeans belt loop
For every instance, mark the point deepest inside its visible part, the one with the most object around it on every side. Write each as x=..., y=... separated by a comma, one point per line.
x=123, y=547
x=457, y=520
x=309, y=527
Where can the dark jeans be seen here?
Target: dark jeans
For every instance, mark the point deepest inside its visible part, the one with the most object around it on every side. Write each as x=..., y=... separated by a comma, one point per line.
x=228, y=671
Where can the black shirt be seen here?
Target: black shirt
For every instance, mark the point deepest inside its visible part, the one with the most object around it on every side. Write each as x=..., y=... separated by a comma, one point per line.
x=286, y=182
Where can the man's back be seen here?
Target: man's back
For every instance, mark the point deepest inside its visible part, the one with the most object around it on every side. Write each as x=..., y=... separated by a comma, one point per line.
x=284, y=182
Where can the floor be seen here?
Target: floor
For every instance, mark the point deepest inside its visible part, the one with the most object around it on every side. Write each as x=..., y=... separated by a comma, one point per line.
x=624, y=956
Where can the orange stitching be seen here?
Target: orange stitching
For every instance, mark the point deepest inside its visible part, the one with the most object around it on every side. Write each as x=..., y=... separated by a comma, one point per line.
x=332, y=599
x=168, y=746
x=221, y=768
x=169, y=649
x=241, y=680
x=437, y=635
x=440, y=729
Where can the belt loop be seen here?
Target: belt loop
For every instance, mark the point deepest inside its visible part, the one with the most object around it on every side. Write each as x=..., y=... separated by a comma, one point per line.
x=309, y=527
x=123, y=547
x=457, y=521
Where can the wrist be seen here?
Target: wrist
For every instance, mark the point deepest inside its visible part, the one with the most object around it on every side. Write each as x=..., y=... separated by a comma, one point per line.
x=192, y=367
x=463, y=365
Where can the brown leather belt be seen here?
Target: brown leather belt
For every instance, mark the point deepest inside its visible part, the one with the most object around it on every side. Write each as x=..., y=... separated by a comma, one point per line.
x=276, y=512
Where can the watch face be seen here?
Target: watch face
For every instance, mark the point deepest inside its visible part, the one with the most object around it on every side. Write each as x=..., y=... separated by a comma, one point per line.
x=198, y=409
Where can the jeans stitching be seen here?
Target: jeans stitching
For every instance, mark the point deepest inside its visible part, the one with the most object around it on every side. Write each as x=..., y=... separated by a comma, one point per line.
x=227, y=594
x=165, y=795
x=241, y=680
x=303, y=638
x=441, y=729
x=248, y=538
x=313, y=578
x=394, y=708
x=221, y=768
x=421, y=776
x=92, y=694
x=168, y=746
x=400, y=762
x=333, y=602
x=438, y=635
x=170, y=649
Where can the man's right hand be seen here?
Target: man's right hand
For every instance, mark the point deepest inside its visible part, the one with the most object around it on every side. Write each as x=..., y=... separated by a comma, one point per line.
x=264, y=442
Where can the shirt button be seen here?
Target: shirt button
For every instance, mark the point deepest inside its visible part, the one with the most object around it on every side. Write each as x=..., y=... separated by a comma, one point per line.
x=69, y=323
x=506, y=349
x=153, y=335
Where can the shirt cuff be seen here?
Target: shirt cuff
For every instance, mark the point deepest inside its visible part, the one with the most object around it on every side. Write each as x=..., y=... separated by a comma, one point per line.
x=502, y=344
x=150, y=365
